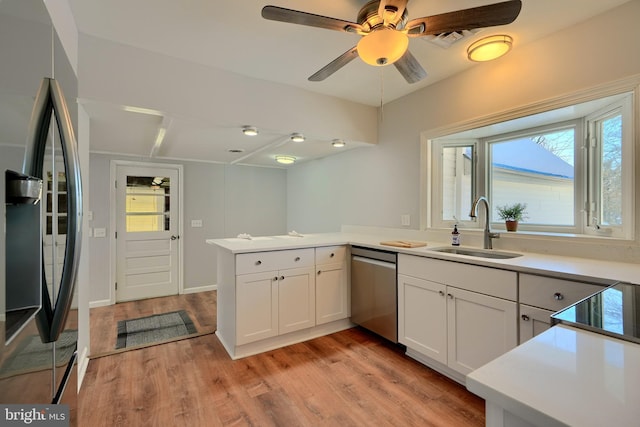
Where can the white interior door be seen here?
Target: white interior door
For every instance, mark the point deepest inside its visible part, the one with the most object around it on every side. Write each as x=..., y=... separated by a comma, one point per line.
x=147, y=226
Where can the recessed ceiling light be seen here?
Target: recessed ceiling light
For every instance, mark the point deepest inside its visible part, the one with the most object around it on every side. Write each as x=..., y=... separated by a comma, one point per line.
x=338, y=143
x=285, y=160
x=250, y=130
x=297, y=137
x=489, y=48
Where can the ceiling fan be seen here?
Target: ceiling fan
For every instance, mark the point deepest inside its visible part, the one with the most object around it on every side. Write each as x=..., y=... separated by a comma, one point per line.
x=385, y=29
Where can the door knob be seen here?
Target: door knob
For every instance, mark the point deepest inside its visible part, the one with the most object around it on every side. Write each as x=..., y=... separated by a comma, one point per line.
x=175, y=237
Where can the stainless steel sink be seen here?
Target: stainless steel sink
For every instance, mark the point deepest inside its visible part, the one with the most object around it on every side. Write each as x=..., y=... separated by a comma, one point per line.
x=480, y=253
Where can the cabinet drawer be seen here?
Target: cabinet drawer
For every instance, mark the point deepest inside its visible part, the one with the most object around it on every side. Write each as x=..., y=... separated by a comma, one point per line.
x=330, y=254
x=553, y=294
x=257, y=262
x=485, y=280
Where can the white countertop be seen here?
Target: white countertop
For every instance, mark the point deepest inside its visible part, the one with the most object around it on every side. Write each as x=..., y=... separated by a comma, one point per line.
x=570, y=376
x=603, y=272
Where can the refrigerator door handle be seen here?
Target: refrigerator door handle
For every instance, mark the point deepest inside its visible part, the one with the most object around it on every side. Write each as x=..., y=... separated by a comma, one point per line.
x=50, y=99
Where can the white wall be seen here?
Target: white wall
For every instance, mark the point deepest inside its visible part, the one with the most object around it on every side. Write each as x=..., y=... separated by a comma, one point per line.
x=228, y=199
x=375, y=186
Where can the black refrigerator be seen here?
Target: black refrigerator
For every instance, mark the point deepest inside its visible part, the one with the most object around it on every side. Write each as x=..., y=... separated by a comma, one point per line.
x=41, y=214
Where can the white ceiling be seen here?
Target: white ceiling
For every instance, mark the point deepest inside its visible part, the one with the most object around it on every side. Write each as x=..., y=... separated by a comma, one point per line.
x=232, y=35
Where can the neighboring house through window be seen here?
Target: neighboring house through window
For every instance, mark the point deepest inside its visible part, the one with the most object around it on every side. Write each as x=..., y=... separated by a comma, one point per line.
x=573, y=167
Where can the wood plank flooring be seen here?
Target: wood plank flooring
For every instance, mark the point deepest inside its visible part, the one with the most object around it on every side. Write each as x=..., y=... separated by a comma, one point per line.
x=201, y=307
x=351, y=378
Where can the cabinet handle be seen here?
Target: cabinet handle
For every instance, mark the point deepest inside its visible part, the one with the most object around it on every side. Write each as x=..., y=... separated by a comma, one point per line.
x=332, y=255
x=441, y=293
x=275, y=279
x=319, y=271
x=450, y=296
x=258, y=262
x=297, y=259
x=558, y=296
x=281, y=277
x=525, y=317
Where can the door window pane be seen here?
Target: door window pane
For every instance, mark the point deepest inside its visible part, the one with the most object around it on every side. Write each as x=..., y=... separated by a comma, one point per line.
x=537, y=170
x=147, y=204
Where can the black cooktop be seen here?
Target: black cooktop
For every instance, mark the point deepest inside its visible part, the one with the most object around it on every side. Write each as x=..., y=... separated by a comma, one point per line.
x=614, y=311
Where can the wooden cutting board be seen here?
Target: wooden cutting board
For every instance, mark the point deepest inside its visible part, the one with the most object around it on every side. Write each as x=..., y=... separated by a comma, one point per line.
x=403, y=243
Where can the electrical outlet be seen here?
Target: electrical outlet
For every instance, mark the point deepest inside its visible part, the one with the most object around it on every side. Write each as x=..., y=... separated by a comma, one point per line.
x=405, y=219
x=196, y=223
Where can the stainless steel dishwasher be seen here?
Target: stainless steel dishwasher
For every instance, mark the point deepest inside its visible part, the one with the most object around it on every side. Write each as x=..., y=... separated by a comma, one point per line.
x=374, y=294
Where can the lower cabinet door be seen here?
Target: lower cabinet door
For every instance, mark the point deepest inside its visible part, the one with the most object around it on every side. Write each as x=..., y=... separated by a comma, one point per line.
x=256, y=307
x=296, y=299
x=533, y=321
x=422, y=316
x=331, y=294
x=481, y=328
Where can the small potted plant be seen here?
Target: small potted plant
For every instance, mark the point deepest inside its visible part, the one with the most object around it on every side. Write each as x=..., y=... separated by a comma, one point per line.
x=511, y=214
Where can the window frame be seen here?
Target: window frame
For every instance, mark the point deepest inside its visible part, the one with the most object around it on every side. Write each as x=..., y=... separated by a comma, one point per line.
x=578, y=180
x=631, y=158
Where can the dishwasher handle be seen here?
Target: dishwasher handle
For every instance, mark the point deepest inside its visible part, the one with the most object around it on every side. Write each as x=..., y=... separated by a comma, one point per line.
x=385, y=264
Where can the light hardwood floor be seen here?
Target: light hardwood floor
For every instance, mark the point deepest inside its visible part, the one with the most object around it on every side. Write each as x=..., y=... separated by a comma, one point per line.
x=201, y=307
x=351, y=378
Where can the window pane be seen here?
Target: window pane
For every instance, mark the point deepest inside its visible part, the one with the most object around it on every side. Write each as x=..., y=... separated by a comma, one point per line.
x=147, y=203
x=611, y=171
x=457, y=183
x=537, y=170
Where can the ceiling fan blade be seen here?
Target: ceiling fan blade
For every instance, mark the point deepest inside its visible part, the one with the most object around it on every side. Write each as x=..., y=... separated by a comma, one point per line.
x=466, y=19
x=275, y=13
x=410, y=68
x=393, y=5
x=335, y=65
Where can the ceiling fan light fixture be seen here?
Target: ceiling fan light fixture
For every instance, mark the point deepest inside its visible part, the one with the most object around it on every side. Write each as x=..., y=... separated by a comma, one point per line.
x=285, y=160
x=383, y=47
x=489, y=48
x=297, y=137
x=249, y=130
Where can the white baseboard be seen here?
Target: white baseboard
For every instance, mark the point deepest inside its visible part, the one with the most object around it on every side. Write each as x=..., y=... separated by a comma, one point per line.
x=197, y=289
x=99, y=303
x=83, y=364
x=106, y=302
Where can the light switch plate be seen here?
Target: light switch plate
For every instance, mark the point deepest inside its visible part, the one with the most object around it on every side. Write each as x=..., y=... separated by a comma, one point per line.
x=405, y=219
x=196, y=223
x=99, y=232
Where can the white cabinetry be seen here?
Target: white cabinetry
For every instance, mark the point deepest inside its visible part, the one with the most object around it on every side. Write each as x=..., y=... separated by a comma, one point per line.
x=460, y=316
x=275, y=293
x=540, y=297
x=332, y=286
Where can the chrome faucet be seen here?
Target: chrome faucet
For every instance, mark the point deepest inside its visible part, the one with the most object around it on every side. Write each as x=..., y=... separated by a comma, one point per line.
x=488, y=235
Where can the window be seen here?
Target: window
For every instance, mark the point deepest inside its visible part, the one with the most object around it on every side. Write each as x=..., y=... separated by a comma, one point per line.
x=147, y=203
x=572, y=167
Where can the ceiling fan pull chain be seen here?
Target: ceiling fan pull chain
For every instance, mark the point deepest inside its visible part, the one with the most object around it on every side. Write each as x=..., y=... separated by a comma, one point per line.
x=381, y=92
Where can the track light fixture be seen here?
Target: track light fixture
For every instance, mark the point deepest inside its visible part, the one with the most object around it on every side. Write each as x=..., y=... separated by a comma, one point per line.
x=297, y=137
x=250, y=130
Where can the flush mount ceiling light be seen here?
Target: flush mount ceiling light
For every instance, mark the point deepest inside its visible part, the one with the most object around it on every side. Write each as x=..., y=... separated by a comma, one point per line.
x=250, y=130
x=297, y=137
x=383, y=47
x=489, y=48
x=338, y=143
x=285, y=160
